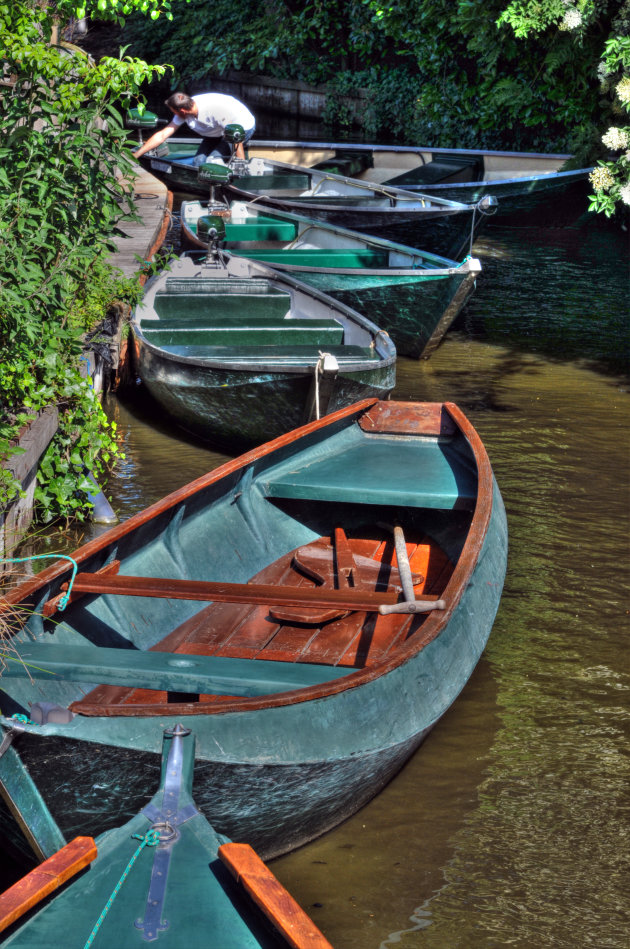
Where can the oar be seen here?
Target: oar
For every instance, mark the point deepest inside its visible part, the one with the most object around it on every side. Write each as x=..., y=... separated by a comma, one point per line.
x=206, y=590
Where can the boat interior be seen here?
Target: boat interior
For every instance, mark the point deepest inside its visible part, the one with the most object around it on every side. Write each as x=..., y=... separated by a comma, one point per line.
x=241, y=319
x=271, y=239
x=298, y=525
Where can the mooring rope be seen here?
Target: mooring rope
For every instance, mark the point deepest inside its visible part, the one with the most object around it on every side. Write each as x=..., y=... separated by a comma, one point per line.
x=63, y=602
x=150, y=839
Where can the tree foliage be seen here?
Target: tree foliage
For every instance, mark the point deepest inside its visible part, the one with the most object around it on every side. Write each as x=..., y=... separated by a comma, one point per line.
x=485, y=73
x=63, y=152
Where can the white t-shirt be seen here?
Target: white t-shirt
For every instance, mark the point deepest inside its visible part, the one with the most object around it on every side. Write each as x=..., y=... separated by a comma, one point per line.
x=215, y=112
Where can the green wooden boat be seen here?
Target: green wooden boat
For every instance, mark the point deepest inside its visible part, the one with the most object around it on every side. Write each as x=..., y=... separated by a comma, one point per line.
x=524, y=183
x=444, y=227
x=239, y=353
x=412, y=294
x=170, y=876
x=309, y=609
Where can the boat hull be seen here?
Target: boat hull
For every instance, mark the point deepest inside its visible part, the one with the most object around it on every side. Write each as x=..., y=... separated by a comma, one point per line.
x=276, y=769
x=237, y=409
x=413, y=296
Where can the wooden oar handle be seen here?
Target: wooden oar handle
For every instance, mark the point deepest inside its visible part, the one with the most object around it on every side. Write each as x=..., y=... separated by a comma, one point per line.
x=412, y=606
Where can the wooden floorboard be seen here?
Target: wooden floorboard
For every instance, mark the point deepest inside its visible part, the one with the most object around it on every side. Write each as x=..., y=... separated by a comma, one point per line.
x=249, y=631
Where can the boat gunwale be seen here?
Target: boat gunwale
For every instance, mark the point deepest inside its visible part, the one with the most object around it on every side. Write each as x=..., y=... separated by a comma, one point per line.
x=434, y=624
x=370, y=147
x=441, y=205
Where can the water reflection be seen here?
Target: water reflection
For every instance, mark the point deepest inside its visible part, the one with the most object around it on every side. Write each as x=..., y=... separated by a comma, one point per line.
x=510, y=825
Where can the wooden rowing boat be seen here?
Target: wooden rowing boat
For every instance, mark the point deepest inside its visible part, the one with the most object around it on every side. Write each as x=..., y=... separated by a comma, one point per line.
x=412, y=294
x=165, y=874
x=310, y=609
x=239, y=353
x=524, y=183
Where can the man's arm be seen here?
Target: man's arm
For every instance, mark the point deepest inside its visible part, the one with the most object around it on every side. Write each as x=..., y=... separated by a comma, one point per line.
x=156, y=139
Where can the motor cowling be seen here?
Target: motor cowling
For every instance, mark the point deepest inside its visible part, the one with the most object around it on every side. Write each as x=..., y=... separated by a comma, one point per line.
x=211, y=228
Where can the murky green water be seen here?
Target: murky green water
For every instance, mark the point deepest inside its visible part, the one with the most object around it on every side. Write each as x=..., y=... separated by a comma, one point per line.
x=511, y=825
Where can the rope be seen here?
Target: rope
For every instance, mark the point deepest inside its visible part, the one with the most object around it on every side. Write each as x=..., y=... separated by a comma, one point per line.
x=63, y=602
x=22, y=719
x=150, y=839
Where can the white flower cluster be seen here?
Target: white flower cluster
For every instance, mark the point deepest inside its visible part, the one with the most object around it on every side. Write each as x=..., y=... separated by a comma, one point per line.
x=623, y=90
x=601, y=178
x=615, y=138
x=572, y=20
x=624, y=193
x=602, y=70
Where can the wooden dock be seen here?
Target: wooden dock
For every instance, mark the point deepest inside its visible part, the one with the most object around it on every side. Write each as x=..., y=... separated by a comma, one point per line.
x=140, y=240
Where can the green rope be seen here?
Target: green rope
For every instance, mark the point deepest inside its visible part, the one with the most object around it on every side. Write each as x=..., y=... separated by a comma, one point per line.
x=464, y=261
x=23, y=719
x=150, y=839
x=63, y=602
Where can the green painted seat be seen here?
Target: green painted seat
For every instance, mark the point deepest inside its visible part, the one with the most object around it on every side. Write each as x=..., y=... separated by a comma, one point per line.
x=425, y=475
x=247, y=332
x=169, y=306
x=164, y=671
x=272, y=182
x=260, y=228
x=442, y=168
x=279, y=353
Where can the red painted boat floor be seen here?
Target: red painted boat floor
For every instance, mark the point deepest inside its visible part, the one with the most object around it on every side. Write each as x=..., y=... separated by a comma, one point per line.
x=355, y=639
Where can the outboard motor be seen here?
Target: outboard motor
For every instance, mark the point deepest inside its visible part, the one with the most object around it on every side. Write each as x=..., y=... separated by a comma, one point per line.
x=211, y=230
x=216, y=175
x=234, y=134
x=136, y=119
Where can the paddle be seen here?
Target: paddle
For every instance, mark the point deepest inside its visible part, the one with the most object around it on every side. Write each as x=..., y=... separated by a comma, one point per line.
x=256, y=593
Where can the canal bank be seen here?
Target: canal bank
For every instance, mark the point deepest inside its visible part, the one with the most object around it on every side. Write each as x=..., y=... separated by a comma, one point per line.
x=136, y=241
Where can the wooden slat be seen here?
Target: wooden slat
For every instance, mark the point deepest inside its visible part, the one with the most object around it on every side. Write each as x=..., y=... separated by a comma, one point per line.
x=231, y=592
x=287, y=916
x=45, y=879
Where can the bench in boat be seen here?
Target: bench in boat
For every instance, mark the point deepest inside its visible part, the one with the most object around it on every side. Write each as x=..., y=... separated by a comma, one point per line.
x=271, y=182
x=233, y=333
x=260, y=228
x=165, y=671
x=423, y=477
x=230, y=302
x=321, y=257
x=441, y=169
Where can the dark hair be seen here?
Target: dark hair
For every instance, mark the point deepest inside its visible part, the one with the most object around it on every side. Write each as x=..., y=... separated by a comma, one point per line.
x=178, y=101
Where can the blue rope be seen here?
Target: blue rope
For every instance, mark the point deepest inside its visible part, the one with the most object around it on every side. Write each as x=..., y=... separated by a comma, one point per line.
x=63, y=602
x=465, y=260
x=150, y=839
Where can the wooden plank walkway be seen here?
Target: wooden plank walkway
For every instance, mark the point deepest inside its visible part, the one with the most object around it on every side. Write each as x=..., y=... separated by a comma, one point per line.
x=143, y=238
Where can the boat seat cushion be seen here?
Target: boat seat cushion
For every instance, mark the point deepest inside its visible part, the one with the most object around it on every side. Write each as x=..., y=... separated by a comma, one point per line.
x=427, y=475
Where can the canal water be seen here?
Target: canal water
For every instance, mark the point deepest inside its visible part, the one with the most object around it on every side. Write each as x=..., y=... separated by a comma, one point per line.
x=511, y=824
